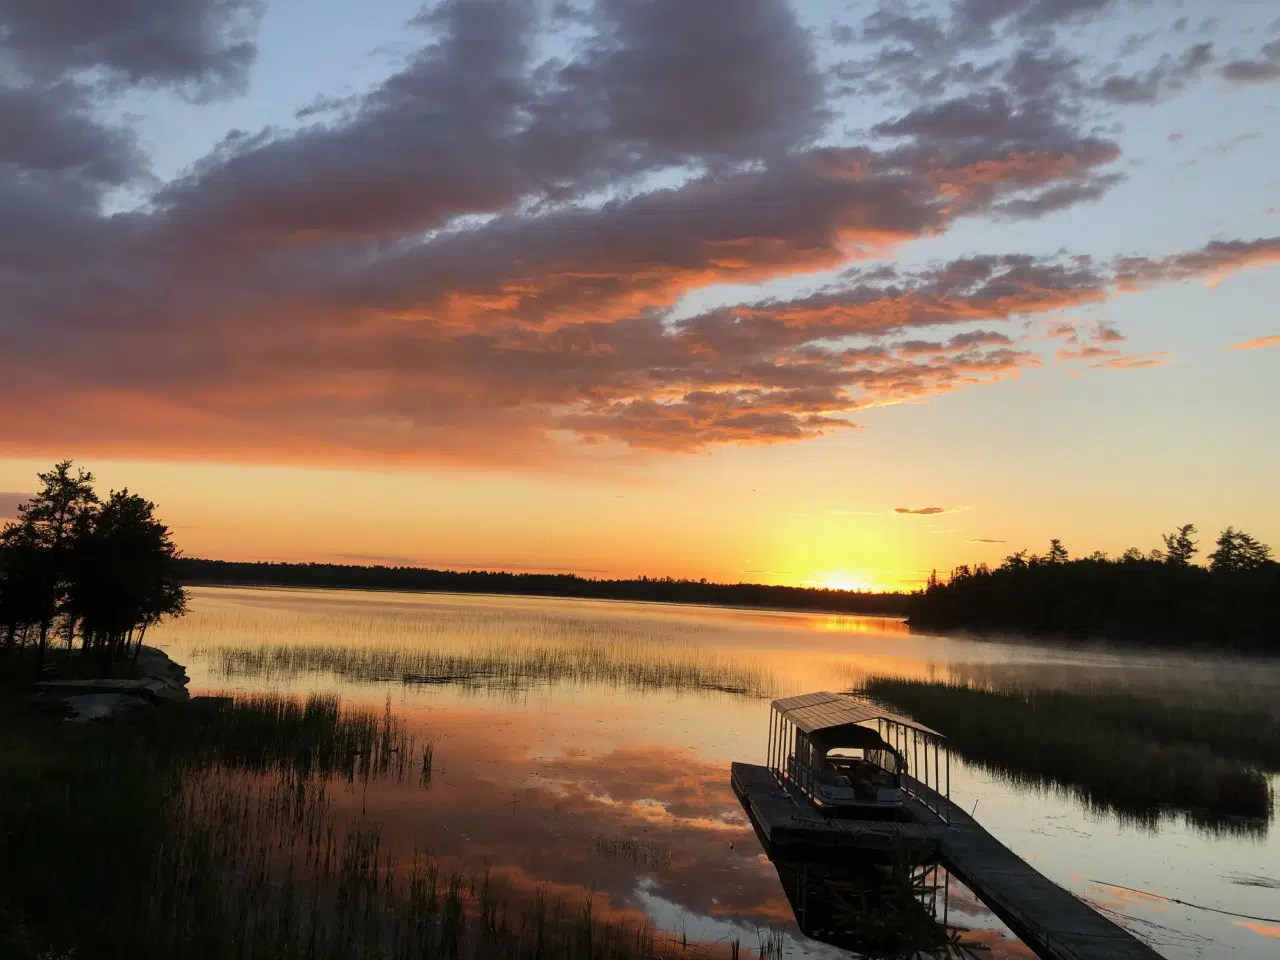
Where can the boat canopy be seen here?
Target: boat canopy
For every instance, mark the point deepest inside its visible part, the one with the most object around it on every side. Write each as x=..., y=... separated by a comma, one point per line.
x=816, y=713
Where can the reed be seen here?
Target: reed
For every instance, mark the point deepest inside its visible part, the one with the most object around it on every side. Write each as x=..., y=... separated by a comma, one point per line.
x=1130, y=755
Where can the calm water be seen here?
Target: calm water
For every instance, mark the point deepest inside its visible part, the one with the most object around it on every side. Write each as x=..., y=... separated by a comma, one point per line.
x=585, y=746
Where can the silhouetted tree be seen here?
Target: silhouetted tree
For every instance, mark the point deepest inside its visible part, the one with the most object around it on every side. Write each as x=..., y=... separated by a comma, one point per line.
x=1238, y=551
x=104, y=571
x=42, y=537
x=1057, y=552
x=1133, y=555
x=1179, y=548
x=123, y=578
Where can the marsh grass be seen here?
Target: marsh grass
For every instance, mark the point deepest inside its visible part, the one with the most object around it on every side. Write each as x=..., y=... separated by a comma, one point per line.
x=1130, y=755
x=314, y=736
x=214, y=829
x=643, y=853
x=514, y=668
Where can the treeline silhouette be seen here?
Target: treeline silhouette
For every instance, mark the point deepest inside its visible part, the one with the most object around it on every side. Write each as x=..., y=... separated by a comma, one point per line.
x=1160, y=596
x=663, y=589
x=74, y=567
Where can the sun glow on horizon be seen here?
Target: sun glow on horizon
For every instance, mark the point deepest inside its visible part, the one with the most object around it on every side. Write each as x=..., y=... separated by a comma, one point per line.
x=862, y=581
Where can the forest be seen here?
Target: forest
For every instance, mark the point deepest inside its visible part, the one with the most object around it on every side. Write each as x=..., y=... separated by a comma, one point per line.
x=662, y=590
x=1161, y=597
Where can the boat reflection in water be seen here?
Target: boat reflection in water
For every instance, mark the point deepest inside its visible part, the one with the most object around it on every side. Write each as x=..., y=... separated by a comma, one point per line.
x=876, y=910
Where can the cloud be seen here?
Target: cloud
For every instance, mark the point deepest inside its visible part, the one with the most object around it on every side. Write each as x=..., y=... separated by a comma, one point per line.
x=1166, y=79
x=476, y=124
x=500, y=253
x=1257, y=344
x=51, y=131
x=1136, y=361
x=1213, y=262
x=922, y=511
x=1263, y=68
x=986, y=540
x=9, y=503
x=205, y=44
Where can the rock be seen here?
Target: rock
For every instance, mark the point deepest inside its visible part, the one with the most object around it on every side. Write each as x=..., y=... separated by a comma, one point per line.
x=156, y=679
x=100, y=706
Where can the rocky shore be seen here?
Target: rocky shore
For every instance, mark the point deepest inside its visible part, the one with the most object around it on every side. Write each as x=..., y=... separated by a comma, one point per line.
x=152, y=678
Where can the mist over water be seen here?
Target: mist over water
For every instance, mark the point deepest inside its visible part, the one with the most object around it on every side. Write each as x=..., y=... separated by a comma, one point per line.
x=584, y=746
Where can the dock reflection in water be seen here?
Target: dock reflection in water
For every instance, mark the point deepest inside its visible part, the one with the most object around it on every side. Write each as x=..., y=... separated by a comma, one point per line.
x=886, y=912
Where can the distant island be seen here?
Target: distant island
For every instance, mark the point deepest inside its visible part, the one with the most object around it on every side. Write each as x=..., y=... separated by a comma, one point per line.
x=1160, y=598
x=654, y=589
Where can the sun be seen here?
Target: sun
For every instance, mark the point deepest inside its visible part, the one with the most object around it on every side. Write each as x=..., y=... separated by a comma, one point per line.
x=843, y=580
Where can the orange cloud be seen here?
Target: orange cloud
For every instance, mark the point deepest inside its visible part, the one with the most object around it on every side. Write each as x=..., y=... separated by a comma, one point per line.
x=1258, y=344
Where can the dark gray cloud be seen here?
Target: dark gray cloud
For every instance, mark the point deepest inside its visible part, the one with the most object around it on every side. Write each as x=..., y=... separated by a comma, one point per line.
x=699, y=80
x=207, y=44
x=990, y=116
x=1166, y=79
x=1263, y=68
x=473, y=125
x=51, y=130
x=921, y=511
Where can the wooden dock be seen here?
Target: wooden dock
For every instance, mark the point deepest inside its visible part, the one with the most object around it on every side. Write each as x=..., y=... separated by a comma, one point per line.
x=1055, y=923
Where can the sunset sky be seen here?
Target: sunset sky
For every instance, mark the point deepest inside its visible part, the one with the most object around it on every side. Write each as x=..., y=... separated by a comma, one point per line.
x=806, y=292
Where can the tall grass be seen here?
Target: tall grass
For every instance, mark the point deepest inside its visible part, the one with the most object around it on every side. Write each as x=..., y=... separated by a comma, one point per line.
x=1131, y=755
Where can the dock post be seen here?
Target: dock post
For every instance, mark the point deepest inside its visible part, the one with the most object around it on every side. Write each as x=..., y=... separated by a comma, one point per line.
x=937, y=775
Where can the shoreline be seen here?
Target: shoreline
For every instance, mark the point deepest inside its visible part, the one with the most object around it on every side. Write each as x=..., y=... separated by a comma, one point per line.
x=900, y=616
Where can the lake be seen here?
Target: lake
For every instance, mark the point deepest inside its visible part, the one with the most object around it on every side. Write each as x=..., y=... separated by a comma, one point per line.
x=583, y=747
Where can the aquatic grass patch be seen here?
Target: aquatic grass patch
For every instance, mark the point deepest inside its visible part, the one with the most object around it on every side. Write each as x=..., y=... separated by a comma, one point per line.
x=312, y=736
x=514, y=667
x=1131, y=755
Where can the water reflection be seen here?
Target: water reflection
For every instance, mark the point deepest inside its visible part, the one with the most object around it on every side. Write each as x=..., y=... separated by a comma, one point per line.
x=895, y=912
x=584, y=746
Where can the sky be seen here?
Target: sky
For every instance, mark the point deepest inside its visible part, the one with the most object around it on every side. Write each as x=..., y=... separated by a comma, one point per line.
x=788, y=291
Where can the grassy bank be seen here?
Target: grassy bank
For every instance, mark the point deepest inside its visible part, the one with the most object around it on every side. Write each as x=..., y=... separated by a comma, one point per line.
x=1131, y=755
x=209, y=829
